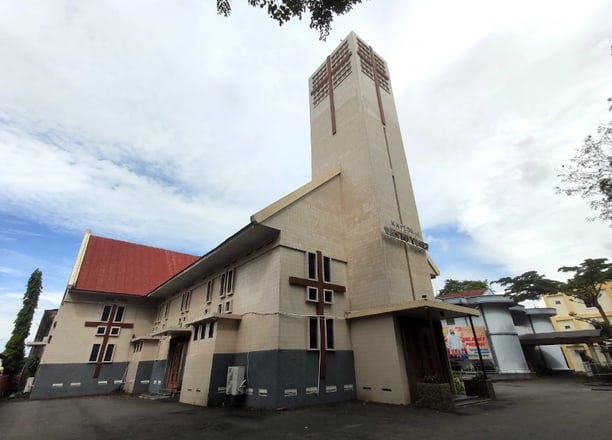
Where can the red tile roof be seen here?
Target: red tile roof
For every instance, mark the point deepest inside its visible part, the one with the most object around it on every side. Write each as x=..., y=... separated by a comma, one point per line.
x=464, y=294
x=114, y=266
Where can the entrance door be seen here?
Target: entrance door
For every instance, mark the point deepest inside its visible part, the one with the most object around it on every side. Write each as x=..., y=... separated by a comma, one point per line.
x=422, y=351
x=176, y=360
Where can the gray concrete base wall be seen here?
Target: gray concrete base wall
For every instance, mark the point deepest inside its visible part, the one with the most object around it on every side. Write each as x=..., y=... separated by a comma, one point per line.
x=285, y=378
x=70, y=380
x=158, y=371
x=142, y=381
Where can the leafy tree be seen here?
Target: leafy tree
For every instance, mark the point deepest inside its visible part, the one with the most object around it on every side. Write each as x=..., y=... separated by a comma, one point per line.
x=452, y=286
x=321, y=11
x=530, y=285
x=14, y=350
x=585, y=286
x=589, y=173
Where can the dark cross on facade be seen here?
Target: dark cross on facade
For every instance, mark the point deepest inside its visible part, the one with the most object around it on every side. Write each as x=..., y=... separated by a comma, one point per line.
x=327, y=80
x=319, y=284
x=107, y=333
x=374, y=68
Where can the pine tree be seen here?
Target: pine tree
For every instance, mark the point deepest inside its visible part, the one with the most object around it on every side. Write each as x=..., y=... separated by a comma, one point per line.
x=14, y=351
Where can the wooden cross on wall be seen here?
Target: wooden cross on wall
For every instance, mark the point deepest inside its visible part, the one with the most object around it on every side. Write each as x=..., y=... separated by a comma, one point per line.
x=107, y=334
x=321, y=285
x=334, y=64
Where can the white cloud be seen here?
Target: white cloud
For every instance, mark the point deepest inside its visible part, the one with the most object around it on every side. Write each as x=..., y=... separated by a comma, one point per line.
x=165, y=124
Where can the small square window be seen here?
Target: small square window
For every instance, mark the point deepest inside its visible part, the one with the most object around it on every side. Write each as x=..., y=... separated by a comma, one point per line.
x=312, y=294
x=100, y=330
x=114, y=331
x=328, y=296
x=557, y=301
x=450, y=321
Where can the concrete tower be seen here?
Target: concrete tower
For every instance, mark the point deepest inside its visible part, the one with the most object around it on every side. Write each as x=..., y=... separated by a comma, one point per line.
x=354, y=124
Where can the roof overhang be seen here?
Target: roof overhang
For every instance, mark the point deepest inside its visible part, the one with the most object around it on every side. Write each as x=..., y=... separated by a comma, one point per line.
x=36, y=343
x=145, y=339
x=172, y=331
x=215, y=317
x=251, y=237
x=417, y=309
x=555, y=338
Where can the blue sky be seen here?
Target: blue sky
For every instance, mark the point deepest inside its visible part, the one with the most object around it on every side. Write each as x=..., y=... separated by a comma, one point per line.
x=164, y=124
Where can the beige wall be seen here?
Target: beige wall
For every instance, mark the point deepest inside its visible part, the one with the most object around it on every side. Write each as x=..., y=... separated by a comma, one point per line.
x=565, y=306
x=71, y=341
x=380, y=364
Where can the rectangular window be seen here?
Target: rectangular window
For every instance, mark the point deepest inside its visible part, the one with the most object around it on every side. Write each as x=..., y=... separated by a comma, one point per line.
x=312, y=266
x=329, y=334
x=328, y=296
x=166, y=310
x=95, y=350
x=209, y=291
x=228, y=306
x=326, y=269
x=203, y=330
x=211, y=330
x=229, y=280
x=219, y=308
x=196, y=330
x=313, y=333
x=115, y=331
x=105, y=313
x=557, y=301
x=100, y=330
x=108, y=355
x=450, y=321
x=222, y=286
x=185, y=301
x=312, y=294
x=119, y=314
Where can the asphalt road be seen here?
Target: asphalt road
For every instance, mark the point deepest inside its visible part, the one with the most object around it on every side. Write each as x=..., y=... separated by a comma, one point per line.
x=540, y=409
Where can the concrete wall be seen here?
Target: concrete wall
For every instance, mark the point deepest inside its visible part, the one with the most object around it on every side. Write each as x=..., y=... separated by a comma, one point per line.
x=380, y=364
x=285, y=378
x=505, y=344
x=72, y=379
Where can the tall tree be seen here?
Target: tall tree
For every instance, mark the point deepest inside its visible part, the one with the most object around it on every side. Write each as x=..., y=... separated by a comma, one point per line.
x=14, y=351
x=585, y=286
x=530, y=285
x=452, y=286
x=589, y=173
x=321, y=11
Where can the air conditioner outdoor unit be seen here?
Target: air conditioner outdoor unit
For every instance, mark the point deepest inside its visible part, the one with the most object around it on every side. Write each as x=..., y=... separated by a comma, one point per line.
x=235, y=381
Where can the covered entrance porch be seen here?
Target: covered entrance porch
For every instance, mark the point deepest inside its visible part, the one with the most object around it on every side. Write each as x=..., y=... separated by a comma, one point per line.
x=399, y=346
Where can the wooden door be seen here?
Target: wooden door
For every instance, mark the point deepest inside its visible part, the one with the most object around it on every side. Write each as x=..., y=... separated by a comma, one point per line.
x=174, y=369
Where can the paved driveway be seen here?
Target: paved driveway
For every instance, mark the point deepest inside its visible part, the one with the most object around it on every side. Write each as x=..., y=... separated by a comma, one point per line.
x=539, y=409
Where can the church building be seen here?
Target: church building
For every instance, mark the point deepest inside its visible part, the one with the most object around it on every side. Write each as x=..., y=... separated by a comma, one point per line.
x=324, y=296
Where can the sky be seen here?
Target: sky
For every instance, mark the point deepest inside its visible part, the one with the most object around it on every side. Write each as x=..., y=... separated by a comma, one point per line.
x=165, y=124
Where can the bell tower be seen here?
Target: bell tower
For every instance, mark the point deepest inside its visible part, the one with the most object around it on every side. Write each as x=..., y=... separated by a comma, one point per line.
x=354, y=124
